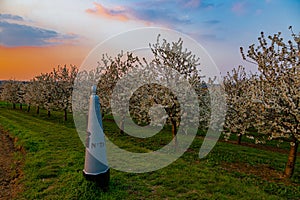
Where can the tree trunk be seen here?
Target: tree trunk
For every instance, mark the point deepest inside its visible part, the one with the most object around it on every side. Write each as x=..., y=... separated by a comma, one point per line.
x=49, y=113
x=239, y=140
x=28, y=108
x=290, y=165
x=66, y=114
x=21, y=106
x=174, y=132
x=38, y=110
x=14, y=106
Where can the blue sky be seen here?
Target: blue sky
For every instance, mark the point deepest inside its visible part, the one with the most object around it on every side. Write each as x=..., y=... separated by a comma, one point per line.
x=220, y=26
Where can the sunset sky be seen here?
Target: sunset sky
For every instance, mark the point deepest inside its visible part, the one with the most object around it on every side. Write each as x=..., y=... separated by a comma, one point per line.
x=36, y=36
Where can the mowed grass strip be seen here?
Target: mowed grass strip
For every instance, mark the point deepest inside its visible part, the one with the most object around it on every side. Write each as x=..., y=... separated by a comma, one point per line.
x=55, y=157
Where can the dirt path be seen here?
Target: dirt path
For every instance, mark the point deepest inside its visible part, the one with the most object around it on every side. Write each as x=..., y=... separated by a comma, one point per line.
x=10, y=169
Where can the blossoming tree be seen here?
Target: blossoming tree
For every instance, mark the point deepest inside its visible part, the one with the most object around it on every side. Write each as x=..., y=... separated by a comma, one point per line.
x=279, y=66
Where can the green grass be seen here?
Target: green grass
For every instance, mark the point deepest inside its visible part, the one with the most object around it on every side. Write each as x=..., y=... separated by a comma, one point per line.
x=55, y=157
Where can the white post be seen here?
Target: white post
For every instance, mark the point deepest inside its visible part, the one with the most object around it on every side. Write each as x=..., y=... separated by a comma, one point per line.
x=95, y=166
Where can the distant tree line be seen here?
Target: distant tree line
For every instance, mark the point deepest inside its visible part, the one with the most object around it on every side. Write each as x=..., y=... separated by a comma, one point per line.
x=50, y=91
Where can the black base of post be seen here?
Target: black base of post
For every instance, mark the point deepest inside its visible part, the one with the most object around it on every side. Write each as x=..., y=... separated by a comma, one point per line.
x=102, y=179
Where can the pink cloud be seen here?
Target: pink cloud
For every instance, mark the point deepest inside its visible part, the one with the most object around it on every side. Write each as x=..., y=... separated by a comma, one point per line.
x=117, y=13
x=193, y=3
x=239, y=8
x=141, y=15
x=258, y=12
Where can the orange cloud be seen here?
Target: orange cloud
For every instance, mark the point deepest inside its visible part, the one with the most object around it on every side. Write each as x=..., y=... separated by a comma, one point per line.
x=116, y=13
x=23, y=63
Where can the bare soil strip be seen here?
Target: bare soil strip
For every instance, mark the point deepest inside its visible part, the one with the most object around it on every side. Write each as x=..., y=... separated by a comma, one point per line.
x=10, y=169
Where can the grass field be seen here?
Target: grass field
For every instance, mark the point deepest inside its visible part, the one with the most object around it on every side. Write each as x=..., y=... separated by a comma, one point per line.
x=54, y=161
